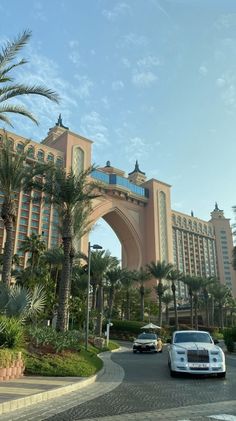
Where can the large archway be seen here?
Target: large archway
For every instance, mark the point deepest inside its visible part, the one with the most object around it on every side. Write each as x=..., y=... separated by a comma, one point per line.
x=125, y=225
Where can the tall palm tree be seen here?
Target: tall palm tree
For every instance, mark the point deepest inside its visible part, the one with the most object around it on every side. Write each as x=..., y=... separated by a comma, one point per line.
x=101, y=263
x=221, y=293
x=71, y=195
x=142, y=276
x=173, y=276
x=14, y=175
x=167, y=299
x=113, y=277
x=195, y=285
x=127, y=281
x=9, y=89
x=160, y=271
x=208, y=283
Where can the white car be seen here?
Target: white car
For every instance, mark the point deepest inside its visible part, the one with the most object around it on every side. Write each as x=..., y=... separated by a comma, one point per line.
x=195, y=352
x=147, y=342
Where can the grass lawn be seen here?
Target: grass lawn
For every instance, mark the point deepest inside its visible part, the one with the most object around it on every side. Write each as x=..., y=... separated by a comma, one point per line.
x=67, y=363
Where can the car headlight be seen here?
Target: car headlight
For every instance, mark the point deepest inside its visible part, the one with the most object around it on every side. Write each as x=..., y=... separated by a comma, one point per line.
x=135, y=344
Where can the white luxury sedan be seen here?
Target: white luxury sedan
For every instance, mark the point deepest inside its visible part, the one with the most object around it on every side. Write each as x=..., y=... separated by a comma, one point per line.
x=195, y=352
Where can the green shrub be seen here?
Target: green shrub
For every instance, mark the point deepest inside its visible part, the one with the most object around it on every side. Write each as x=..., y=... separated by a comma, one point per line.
x=58, y=341
x=7, y=356
x=230, y=338
x=69, y=364
x=11, y=332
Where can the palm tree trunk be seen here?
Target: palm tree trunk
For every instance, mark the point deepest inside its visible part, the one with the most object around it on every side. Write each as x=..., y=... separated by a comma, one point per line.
x=111, y=300
x=212, y=311
x=8, y=251
x=64, y=288
x=196, y=311
x=127, y=315
x=173, y=287
x=94, y=294
x=160, y=310
x=207, y=312
x=142, y=303
x=167, y=314
x=100, y=311
x=191, y=310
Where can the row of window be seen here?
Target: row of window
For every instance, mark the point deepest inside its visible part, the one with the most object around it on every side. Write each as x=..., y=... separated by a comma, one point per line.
x=189, y=224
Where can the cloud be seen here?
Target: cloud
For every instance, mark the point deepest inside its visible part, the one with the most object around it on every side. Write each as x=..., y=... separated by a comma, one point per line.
x=159, y=6
x=126, y=62
x=203, y=70
x=84, y=86
x=121, y=9
x=136, y=148
x=148, y=62
x=133, y=40
x=92, y=127
x=74, y=55
x=220, y=82
x=38, y=11
x=144, y=79
x=227, y=86
x=226, y=21
x=117, y=85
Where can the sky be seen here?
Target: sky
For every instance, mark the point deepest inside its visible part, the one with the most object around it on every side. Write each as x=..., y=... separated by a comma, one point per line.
x=152, y=80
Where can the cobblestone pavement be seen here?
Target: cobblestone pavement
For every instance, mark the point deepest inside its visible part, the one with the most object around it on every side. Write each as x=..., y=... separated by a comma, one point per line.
x=146, y=393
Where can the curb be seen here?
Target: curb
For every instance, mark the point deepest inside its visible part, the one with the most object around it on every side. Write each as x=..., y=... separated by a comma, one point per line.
x=14, y=404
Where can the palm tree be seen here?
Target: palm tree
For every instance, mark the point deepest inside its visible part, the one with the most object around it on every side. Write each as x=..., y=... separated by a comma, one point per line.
x=14, y=175
x=208, y=283
x=173, y=276
x=101, y=263
x=9, y=89
x=195, y=285
x=160, y=271
x=71, y=195
x=221, y=293
x=36, y=247
x=127, y=281
x=20, y=302
x=113, y=277
x=166, y=299
x=142, y=276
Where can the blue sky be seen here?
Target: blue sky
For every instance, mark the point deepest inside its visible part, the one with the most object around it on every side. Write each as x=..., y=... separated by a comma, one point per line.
x=153, y=80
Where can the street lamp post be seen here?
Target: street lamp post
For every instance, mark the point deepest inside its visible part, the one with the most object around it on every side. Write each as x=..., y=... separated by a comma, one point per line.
x=95, y=247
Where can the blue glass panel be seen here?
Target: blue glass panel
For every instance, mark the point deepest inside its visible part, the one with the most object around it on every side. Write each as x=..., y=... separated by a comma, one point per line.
x=120, y=181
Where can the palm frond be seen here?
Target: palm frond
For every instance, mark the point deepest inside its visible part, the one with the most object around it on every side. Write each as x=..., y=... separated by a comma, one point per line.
x=11, y=48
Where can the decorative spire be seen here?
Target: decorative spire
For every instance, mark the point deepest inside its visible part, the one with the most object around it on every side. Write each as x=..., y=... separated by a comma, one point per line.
x=192, y=214
x=60, y=124
x=216, y=206
x=137, y=169
x=108, y=163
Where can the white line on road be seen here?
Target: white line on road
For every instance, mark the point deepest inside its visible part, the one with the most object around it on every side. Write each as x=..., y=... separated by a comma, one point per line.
x=223, y=417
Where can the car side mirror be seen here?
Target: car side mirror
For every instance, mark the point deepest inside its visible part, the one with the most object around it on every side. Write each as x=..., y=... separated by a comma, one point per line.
x=216, y=341
x=168, y=341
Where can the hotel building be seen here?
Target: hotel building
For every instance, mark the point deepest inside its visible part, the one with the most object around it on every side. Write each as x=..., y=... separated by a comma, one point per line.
x=138, y=210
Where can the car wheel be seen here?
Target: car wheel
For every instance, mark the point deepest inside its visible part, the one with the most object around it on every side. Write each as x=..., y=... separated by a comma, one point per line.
x=173, y=373
x=155, y=352
x=134, y=351
x=221, y=375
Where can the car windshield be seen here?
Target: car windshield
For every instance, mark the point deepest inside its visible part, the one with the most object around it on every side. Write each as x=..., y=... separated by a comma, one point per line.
x=192, y=337
x=147, y=336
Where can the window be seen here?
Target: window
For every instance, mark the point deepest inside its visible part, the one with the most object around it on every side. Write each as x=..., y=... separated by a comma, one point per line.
x=59, y=162
x=50, y=157
x=30, y=152
x=40, y=155
x=78, y=160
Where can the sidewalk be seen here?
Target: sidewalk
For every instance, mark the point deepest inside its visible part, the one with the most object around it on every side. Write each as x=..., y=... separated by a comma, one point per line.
x=29, y=390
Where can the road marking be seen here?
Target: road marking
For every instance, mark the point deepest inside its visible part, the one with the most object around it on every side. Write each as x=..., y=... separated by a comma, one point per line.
x=223, y=417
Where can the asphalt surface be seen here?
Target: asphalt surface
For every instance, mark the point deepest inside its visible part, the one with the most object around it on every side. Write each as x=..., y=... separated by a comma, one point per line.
x=147, y=386
x=138, y=387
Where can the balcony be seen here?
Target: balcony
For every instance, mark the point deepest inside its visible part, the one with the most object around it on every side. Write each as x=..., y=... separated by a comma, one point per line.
x=121, y=182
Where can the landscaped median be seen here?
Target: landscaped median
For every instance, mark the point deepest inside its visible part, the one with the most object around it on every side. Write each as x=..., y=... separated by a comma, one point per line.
x=49, y=353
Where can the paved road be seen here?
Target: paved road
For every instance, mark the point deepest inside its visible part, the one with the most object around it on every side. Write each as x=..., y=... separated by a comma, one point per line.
x=148, y=392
